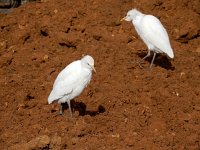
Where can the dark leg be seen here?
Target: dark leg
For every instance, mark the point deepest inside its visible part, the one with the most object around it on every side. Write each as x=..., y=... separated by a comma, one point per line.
x=154, y=55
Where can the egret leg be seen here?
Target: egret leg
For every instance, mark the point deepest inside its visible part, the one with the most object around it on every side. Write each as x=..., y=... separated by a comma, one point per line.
x=148, y=54
x=154, y=55
x=71, y=114
x=61, y=109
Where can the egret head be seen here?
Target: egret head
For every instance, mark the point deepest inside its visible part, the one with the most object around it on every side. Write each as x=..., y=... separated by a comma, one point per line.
x=88, y=62
x=132, y=15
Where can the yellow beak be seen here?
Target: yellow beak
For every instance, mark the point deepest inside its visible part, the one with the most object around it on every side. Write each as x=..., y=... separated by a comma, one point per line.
x=123, y=19
x=93, y=69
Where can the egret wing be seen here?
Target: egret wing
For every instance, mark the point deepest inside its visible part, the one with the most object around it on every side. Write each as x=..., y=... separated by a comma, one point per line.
x=155, y=33
x=66, y=80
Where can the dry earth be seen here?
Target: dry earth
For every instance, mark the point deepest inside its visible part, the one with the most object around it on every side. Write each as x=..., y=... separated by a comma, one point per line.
x=125, y=106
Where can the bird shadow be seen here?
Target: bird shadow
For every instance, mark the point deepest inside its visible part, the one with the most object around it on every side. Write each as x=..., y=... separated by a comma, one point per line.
x=160, y=60
x=81, y=108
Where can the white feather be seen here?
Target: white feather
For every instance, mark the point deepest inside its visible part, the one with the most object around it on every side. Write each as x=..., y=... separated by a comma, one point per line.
x=155, y=35
x=151, y=31
x=71, y=81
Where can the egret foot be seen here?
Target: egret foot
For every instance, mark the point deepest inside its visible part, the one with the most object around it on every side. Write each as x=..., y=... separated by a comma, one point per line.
x=139, y=62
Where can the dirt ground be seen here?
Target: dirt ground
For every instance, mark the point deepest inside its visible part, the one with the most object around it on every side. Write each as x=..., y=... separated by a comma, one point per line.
x=125, y=106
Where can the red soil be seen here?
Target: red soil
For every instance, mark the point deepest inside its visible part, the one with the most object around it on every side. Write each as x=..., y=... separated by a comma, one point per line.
x=125, y=106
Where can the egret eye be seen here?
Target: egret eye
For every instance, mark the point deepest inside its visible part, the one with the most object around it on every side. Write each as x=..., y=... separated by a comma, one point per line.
x=88, y=64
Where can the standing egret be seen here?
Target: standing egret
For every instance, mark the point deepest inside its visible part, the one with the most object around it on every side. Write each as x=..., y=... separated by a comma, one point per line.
x=152, y=32
x=71, y=81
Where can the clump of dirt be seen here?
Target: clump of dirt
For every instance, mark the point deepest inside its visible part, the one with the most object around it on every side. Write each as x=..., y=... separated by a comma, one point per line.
x=125, y=106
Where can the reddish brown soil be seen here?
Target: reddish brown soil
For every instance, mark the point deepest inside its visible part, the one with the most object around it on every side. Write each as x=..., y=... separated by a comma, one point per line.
x=125, y=106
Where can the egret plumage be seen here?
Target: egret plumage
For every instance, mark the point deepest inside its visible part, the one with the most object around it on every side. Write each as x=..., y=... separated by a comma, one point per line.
x=71, y=81
x=152, y=32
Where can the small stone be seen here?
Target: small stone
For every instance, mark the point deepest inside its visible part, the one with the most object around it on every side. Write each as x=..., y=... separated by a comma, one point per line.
x=185, y=117
x=115, y=135
x=37, y=143
x=6, y=104
x=20, y=26
x=198, y=49
x=46, y=57
x=56, y=142
x=197, y=108
x=74, y=140
x=173, y=134
x=3, y=45
x=43, y=1
x=55, y=11
x=21, y=106
x=126, y=120
x=182, y=74
x=135, y=133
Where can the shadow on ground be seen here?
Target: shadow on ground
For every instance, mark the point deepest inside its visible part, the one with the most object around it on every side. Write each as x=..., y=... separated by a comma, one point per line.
x=82, y=108
x=160, y=60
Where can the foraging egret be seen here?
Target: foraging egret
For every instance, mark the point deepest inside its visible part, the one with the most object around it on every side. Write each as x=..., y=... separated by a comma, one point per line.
x=71, y=81
x=151, y=32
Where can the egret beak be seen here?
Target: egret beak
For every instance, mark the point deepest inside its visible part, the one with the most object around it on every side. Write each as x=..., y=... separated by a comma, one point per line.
x=123, y=19
x=93, y=69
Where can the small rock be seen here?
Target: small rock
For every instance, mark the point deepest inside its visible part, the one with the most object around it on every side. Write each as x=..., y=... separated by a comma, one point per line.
x=40, y=142
x=126, y=120
x=21, y=106
x=182, y=74
x=115, y=135
x=3, y=45
x=56, y=143
x=173, y=134
x=130, y=141
x=197, y=108
x=198, y=49
x=135, y=133
x=55, y=11
x=21, y=26
x=185, y=117
x=43, y=1
x=37, y=127
x=6, y=104
x=74, y=140
x=46, y=57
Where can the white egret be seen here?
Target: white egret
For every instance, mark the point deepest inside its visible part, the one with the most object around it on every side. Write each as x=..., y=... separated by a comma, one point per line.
x=152, y=32
x=71, y=81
